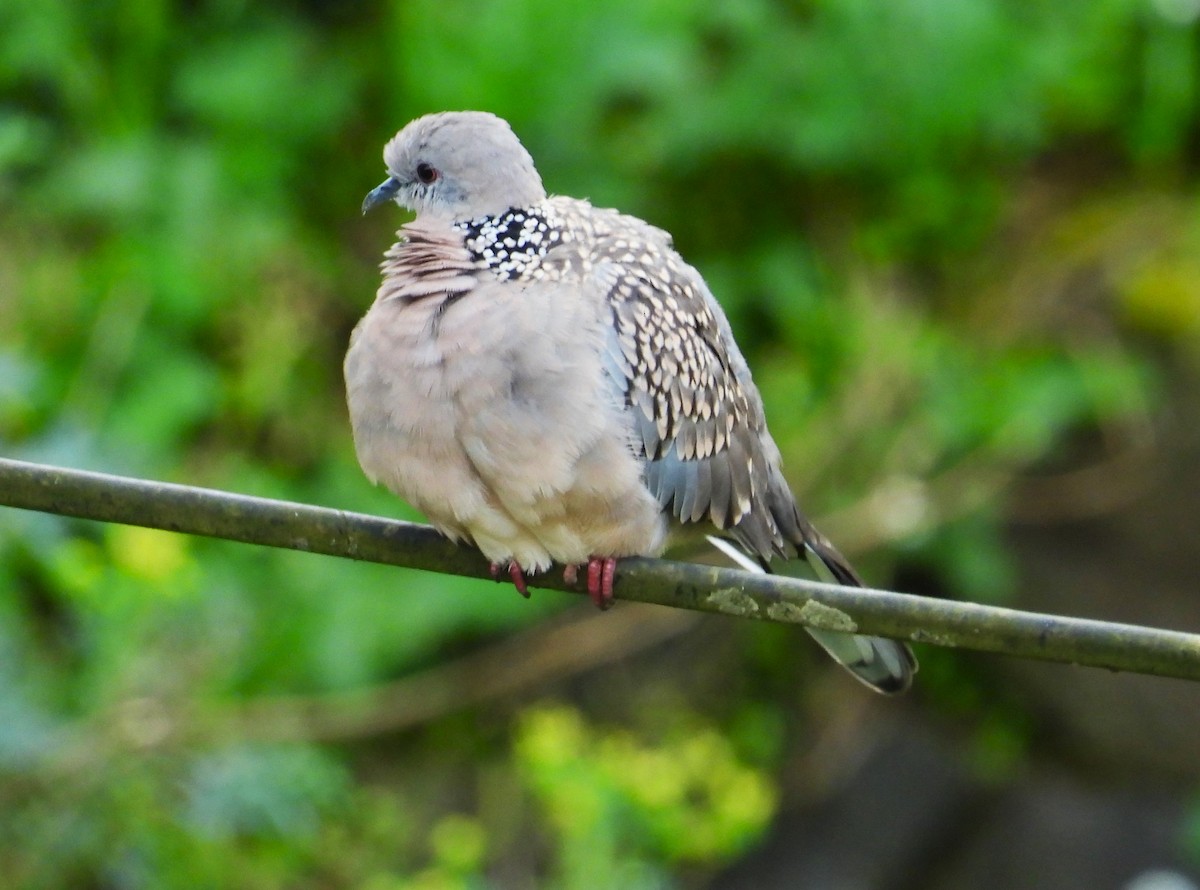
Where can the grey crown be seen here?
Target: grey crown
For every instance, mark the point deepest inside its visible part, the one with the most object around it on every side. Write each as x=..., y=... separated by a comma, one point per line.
x=551, y=381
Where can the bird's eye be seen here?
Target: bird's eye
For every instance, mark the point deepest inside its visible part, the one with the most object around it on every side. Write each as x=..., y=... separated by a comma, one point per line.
x=426, y=173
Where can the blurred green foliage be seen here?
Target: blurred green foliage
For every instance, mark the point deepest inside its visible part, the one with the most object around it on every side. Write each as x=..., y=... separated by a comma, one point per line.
x=620, y=807
x=933, y=225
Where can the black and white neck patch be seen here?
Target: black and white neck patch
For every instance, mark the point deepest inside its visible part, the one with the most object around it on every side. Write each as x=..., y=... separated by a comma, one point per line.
x=513, y=242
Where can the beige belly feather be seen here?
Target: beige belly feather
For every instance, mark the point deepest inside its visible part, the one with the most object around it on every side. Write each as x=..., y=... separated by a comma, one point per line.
x=455, y=419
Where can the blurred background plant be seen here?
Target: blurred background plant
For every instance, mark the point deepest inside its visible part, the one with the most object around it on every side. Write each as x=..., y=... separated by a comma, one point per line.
x=959, y=242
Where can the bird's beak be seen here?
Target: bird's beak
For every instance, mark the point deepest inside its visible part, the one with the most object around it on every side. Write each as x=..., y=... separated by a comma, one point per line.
x=385, y=191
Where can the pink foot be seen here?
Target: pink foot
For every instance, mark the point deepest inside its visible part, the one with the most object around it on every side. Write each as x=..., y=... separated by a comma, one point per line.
x=515, y=575
x=600, y=580
x=570, y=574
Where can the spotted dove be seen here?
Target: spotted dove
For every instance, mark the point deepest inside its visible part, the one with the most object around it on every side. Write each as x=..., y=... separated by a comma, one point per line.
x=551, y=382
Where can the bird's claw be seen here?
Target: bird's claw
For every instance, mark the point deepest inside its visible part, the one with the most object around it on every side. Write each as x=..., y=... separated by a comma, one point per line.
x=514, y=574
x=600, y=580
x=600, y=572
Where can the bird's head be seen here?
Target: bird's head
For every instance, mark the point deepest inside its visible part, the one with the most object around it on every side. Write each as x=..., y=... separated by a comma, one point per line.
x=458, y=165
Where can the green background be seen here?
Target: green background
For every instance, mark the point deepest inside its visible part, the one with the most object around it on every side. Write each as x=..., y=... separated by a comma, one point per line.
x=958, y=242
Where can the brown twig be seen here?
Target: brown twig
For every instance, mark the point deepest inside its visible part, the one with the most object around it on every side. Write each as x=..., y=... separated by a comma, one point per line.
x=703, y=588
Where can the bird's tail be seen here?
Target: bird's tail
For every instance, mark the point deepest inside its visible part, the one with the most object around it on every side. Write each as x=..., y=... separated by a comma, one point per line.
x=885, y=665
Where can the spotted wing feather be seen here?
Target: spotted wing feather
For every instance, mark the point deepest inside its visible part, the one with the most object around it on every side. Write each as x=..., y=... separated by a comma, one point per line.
x=699, y=423
x=697, y=419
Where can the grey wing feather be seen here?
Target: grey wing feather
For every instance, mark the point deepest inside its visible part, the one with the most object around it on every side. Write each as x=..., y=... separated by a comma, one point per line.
x=697, y=422
x=696, y=417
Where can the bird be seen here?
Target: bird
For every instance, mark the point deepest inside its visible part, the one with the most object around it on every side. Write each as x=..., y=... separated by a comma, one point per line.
x=551, y=382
